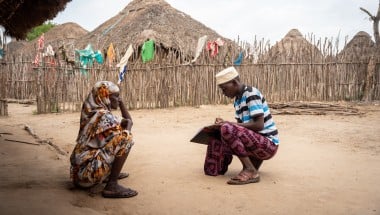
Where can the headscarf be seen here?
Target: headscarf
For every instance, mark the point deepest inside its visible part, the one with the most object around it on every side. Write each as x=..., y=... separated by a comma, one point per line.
x=96, y=116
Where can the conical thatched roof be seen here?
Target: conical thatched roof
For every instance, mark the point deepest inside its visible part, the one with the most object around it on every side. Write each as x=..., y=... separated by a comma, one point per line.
x=19, y=17
x=293, y=48
x=66, y=31
x=15, y=47
x=64, y=34
x=153, y=19
x=360, y=48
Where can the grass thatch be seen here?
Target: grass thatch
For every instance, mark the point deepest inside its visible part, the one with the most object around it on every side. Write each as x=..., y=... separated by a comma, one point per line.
x=18, y=17
x=293, y=48
x=15, y=47
x=359, y=49
x=61, y=35
x=155, y=19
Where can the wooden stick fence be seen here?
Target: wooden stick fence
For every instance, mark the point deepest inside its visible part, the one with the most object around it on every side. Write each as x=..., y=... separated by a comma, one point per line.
x=169, y=81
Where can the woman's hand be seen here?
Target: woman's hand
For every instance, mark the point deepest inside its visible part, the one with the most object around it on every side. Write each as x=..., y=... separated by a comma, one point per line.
x=126, y=124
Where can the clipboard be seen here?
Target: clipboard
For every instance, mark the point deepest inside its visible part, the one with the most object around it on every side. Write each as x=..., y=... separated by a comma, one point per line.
x=205, y=134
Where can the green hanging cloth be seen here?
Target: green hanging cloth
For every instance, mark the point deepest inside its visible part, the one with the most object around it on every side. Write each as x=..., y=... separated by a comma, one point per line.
x=148, y=51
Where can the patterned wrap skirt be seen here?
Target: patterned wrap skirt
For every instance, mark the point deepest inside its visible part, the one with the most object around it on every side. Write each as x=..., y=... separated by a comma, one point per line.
x=91, y=166
x=236, y=140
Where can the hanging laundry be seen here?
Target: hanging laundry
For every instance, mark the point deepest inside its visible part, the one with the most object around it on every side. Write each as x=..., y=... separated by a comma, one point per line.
x=219, y=41
x=110, y=54
x=227, y=58
x=125, y=58
x=87, y=56
x=122, y=74
x=251, y=52
x=41, y=42
x=2, y=41
x=239, y=59
x=123, y=63
x=1, y=53
x=147, y=51
x=37, y=59
x=213, y=47
x=200, y=45
x=49, y=52
x=40, y=47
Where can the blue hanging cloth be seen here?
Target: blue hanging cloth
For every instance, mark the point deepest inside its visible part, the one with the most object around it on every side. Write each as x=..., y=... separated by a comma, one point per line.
x=239, y=59
x=122, y=73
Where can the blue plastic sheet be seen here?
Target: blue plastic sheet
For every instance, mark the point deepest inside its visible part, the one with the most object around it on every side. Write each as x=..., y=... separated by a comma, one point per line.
x=87, y=57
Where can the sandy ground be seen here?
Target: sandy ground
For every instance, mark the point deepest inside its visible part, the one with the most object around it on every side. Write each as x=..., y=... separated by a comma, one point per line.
x=325, y=165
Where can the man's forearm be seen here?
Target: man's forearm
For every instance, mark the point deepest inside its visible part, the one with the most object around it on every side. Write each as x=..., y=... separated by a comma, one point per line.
x=251, y=125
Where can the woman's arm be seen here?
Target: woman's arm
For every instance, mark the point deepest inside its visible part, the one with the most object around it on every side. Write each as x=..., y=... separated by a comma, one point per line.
x=126, y=122
x=124, y=112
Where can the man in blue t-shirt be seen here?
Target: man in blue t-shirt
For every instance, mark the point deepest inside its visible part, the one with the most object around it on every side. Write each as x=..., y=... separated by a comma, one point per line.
x=253, y=138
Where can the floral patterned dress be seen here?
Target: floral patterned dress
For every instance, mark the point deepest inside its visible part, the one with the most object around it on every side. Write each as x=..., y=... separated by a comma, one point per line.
x=100, y=138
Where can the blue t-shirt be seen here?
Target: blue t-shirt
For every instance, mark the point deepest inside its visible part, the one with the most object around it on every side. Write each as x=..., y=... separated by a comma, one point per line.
x=250, y=104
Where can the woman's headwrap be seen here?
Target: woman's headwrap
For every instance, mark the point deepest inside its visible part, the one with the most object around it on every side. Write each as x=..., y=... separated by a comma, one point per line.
x=101, y=92
x=96, y=115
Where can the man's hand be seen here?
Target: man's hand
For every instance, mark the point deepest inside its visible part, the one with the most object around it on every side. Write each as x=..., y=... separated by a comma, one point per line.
x=219, y=120
x=216, y=126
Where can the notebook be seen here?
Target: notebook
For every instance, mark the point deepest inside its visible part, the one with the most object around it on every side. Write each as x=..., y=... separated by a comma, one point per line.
x=205, y=134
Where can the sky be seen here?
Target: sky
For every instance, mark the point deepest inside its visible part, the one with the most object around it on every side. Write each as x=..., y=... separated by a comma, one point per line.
x=269, y=19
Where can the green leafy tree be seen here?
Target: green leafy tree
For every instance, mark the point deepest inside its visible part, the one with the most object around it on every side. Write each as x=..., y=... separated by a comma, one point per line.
x=37, y=31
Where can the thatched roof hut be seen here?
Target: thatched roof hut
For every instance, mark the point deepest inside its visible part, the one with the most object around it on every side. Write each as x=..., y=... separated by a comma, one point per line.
x=18, y=17
x=149, y=19
x=293, y=48
x=360, y=48
x=60, y=35
x=15, y=47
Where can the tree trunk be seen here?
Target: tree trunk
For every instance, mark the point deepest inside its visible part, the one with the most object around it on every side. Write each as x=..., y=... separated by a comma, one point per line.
x=375, y=20
x=368, y=85
x=376, y=27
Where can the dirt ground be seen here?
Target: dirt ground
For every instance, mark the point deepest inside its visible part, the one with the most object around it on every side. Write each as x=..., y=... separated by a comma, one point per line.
x=325, y=165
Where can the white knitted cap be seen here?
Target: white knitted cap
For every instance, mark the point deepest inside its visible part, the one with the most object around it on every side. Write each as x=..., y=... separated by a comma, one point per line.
x=226, y=75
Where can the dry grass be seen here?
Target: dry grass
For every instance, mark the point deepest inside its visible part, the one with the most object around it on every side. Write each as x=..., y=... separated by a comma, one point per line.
x=64, y=34
x=19, y=17
x=358, y=49
x=293, y=48
x=143, y=19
